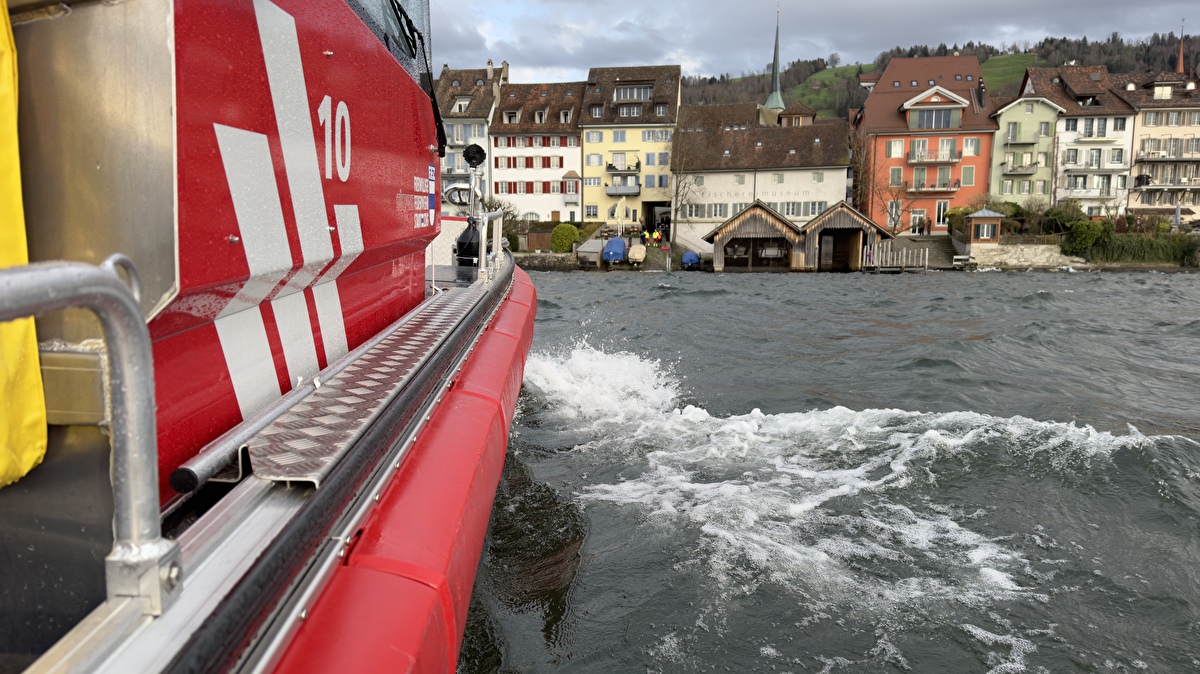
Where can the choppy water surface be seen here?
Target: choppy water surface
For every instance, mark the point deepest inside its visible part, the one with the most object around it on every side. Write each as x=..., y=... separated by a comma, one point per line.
x=843, y=473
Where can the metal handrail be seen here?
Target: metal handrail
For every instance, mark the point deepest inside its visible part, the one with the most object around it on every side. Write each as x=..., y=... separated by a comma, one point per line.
x=142, y=563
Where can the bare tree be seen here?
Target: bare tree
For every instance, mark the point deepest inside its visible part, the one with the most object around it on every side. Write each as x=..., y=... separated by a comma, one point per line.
x=834, y=59
x=511, y=221
x=873, y=187
x=684, y=189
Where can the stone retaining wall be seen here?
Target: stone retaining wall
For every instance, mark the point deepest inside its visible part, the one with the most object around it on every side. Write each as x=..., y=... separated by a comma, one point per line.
x=546, y=261
x=1022, y=256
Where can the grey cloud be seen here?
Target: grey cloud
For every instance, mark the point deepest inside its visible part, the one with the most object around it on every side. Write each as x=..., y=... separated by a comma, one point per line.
x=709, y=37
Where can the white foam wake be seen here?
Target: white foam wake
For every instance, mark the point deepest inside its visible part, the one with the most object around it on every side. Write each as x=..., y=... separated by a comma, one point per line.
x=807, y=499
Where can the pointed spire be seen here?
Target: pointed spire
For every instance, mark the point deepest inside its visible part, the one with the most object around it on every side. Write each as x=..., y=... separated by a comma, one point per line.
x=1179, y=63
x=775, y=100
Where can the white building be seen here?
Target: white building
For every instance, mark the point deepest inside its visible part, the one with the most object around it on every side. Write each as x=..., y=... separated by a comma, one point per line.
x=535, y=158
x=1093, y=136
x=467, y=100
x=727, y=156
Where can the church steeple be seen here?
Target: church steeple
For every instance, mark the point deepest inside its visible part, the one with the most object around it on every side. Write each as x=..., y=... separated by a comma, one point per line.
x=1179, y=62
x=775, y=100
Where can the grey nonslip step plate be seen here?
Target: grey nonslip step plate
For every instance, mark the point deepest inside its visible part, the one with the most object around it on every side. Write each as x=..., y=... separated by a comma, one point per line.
x=306, y=442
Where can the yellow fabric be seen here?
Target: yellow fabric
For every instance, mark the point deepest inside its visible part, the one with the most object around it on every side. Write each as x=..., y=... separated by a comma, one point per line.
x=22, y=403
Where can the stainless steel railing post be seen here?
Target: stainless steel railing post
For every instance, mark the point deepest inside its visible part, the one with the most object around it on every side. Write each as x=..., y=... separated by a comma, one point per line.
x=142, y=564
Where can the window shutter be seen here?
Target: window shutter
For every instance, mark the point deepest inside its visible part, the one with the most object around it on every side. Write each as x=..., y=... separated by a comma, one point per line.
x=546, y=162
x=512, y=187
x=887, y=148
x=546, y=187
x=497, y=161
x=529, y=187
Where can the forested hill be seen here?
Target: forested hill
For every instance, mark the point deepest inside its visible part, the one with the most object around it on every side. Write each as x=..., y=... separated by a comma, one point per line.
x=831, y=90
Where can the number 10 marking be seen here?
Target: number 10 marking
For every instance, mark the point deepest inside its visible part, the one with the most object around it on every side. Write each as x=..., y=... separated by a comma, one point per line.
x=340, y=128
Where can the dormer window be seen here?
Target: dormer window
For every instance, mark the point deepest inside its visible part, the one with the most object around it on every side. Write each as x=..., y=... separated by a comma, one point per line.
x=455, y=83
x=896, y=83
x=461, y=103
x=914, y=83
x=631, y=110
x=932, y=83
x=660, y=110
x=539, y=117
x=933, y=119
x=1162, y=92
x=958, y=78
x=565, y=116
x=637, y=92
x=511, y=117
x=596, y=111
x=970, y=78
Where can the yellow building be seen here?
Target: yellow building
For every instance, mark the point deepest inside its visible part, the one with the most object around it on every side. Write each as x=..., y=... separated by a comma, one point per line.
x=627, y=122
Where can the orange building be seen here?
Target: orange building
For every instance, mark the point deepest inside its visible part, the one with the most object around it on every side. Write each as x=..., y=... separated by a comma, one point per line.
x=925, y=134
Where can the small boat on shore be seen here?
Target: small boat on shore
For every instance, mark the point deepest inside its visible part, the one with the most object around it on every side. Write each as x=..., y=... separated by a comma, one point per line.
x=614, y=251
x=637, y=254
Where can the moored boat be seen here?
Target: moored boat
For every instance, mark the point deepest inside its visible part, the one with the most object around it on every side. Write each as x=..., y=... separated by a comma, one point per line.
x=614, y=251
x=306, y=428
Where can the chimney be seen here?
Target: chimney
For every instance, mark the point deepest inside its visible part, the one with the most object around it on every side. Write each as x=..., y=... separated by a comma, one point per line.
x=489, y=70
x=504, y=72
x=982, y=93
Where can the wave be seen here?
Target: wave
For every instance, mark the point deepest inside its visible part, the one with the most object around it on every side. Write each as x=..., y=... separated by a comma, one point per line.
x=875, y=511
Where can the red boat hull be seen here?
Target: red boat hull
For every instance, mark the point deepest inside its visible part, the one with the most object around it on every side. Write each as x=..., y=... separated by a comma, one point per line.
x=399, y=601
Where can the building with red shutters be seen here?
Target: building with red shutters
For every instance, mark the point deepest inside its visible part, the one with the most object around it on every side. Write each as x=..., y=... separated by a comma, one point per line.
x=535, y=157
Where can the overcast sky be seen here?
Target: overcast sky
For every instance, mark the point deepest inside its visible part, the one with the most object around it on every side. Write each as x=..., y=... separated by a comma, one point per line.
x=558, y=40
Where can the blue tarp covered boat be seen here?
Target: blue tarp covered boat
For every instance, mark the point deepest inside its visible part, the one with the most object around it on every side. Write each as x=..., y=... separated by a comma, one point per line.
x=614, y=250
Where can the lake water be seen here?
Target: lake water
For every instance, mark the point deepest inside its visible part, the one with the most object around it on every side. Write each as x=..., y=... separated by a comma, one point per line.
x=958, y=472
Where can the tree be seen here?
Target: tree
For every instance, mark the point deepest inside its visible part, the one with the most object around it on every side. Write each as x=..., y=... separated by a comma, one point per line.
x=563, y=237
x=510, y=217
x=873, y=188
x=686, y=146
x=834, y=59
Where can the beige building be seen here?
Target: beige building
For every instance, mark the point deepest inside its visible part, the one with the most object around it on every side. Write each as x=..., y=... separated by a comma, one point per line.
x=1166, y=168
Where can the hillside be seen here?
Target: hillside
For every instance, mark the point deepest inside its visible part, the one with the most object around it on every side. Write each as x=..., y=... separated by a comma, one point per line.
x=1003, y=68
x=830, y=90
x=1007, y=69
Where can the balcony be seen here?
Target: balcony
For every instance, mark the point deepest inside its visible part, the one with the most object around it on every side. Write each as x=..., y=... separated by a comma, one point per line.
x=933, y=188
x=1167, y=155
x=625, y=169
x=1173, y=184
x=1089, y=192
x=1084, y=138
x=1020, y=170
x=1021, y=139
x=623, y=190
x=1102, y=167
x=571, y=198
x=934, y=157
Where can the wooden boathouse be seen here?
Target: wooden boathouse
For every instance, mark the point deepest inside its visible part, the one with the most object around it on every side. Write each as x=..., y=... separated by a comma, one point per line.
x=760, y=239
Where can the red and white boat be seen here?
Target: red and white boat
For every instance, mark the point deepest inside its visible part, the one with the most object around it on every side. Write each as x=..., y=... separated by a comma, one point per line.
x=274, y=446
